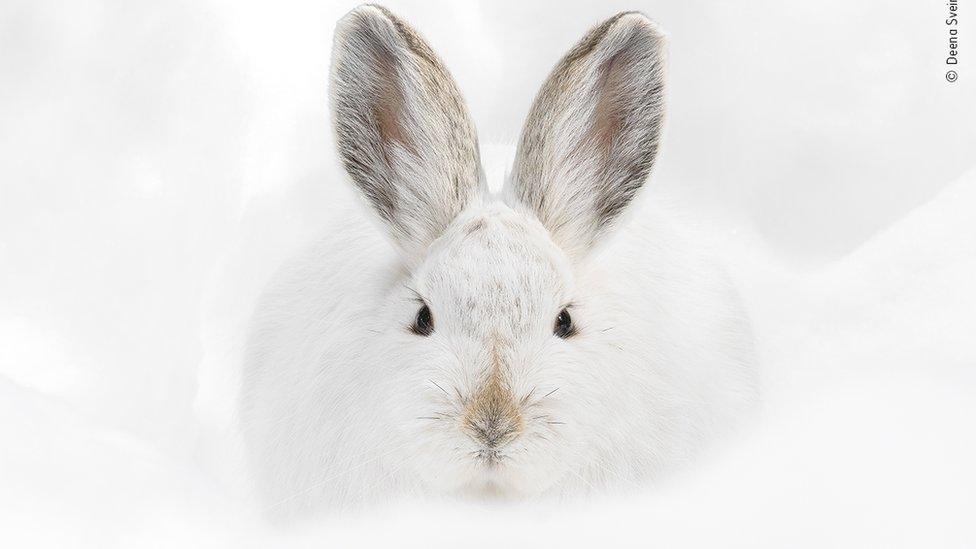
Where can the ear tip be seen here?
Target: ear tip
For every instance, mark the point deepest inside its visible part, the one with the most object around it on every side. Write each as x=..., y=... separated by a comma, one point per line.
x=362, y=18
x=637, y=21
x=367, y=10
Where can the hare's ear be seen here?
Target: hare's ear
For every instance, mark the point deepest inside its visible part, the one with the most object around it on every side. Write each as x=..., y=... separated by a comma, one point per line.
x=592, y=134
x=402, y=129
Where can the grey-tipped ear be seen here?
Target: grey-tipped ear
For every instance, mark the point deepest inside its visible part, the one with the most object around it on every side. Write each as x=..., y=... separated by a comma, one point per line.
x=591, y=136
x=402, y=128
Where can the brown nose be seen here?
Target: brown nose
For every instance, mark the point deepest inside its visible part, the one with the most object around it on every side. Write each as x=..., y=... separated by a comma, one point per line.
x=492, y=417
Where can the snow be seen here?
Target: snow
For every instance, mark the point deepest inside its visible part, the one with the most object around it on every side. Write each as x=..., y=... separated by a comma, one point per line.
x=161, y=160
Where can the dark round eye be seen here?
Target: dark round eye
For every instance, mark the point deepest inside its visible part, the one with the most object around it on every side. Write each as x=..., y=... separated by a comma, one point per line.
x=424, y=324
x=564, y=325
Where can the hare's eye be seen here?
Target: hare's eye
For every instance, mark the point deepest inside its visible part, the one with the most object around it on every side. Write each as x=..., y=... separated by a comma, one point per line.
x=424, y=323
x=564, y=325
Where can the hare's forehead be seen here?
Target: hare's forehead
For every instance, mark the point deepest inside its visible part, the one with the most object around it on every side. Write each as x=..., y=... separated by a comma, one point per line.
x=496, y=258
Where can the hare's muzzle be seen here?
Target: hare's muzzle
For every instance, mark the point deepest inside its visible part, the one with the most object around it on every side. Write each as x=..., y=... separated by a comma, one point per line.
x=492, y=417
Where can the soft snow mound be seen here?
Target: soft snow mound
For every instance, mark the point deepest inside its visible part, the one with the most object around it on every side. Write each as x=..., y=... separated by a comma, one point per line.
x=905, y=301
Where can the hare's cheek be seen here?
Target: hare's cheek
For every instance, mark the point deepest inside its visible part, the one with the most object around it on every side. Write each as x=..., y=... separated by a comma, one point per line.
x=434, y=461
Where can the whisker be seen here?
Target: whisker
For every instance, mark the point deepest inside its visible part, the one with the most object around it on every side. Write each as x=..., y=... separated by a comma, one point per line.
x=537, y=401
x=417, y=297
x=586, y=482
x=607, y=470
x=549, y=393
x=370, y=486
x=439, y=387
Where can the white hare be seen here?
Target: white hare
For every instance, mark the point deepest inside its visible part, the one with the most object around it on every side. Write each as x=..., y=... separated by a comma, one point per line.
x=526, y=344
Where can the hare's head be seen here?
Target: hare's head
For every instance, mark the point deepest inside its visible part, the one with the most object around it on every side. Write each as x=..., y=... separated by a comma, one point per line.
x=494, y=362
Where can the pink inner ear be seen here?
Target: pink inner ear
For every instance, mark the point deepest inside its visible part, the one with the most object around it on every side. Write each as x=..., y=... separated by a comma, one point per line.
x=388, y=104
x=608, y=116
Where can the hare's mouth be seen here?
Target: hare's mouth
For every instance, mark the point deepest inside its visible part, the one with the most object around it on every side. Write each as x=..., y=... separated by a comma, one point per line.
x=490, y=478
x=489, y=457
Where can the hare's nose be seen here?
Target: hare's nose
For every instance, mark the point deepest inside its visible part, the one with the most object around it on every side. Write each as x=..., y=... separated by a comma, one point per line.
x=492, y=432
x=492, y=417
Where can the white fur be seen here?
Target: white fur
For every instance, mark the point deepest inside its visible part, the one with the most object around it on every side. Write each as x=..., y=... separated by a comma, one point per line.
x=339, y=393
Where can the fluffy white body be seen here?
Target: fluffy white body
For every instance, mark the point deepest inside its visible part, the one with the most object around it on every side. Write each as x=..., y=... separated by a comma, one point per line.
x=337, y=391
x=521, y=344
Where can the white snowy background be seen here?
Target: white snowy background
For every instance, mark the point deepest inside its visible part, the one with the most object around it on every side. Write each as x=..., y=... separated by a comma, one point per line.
x=158, y=160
